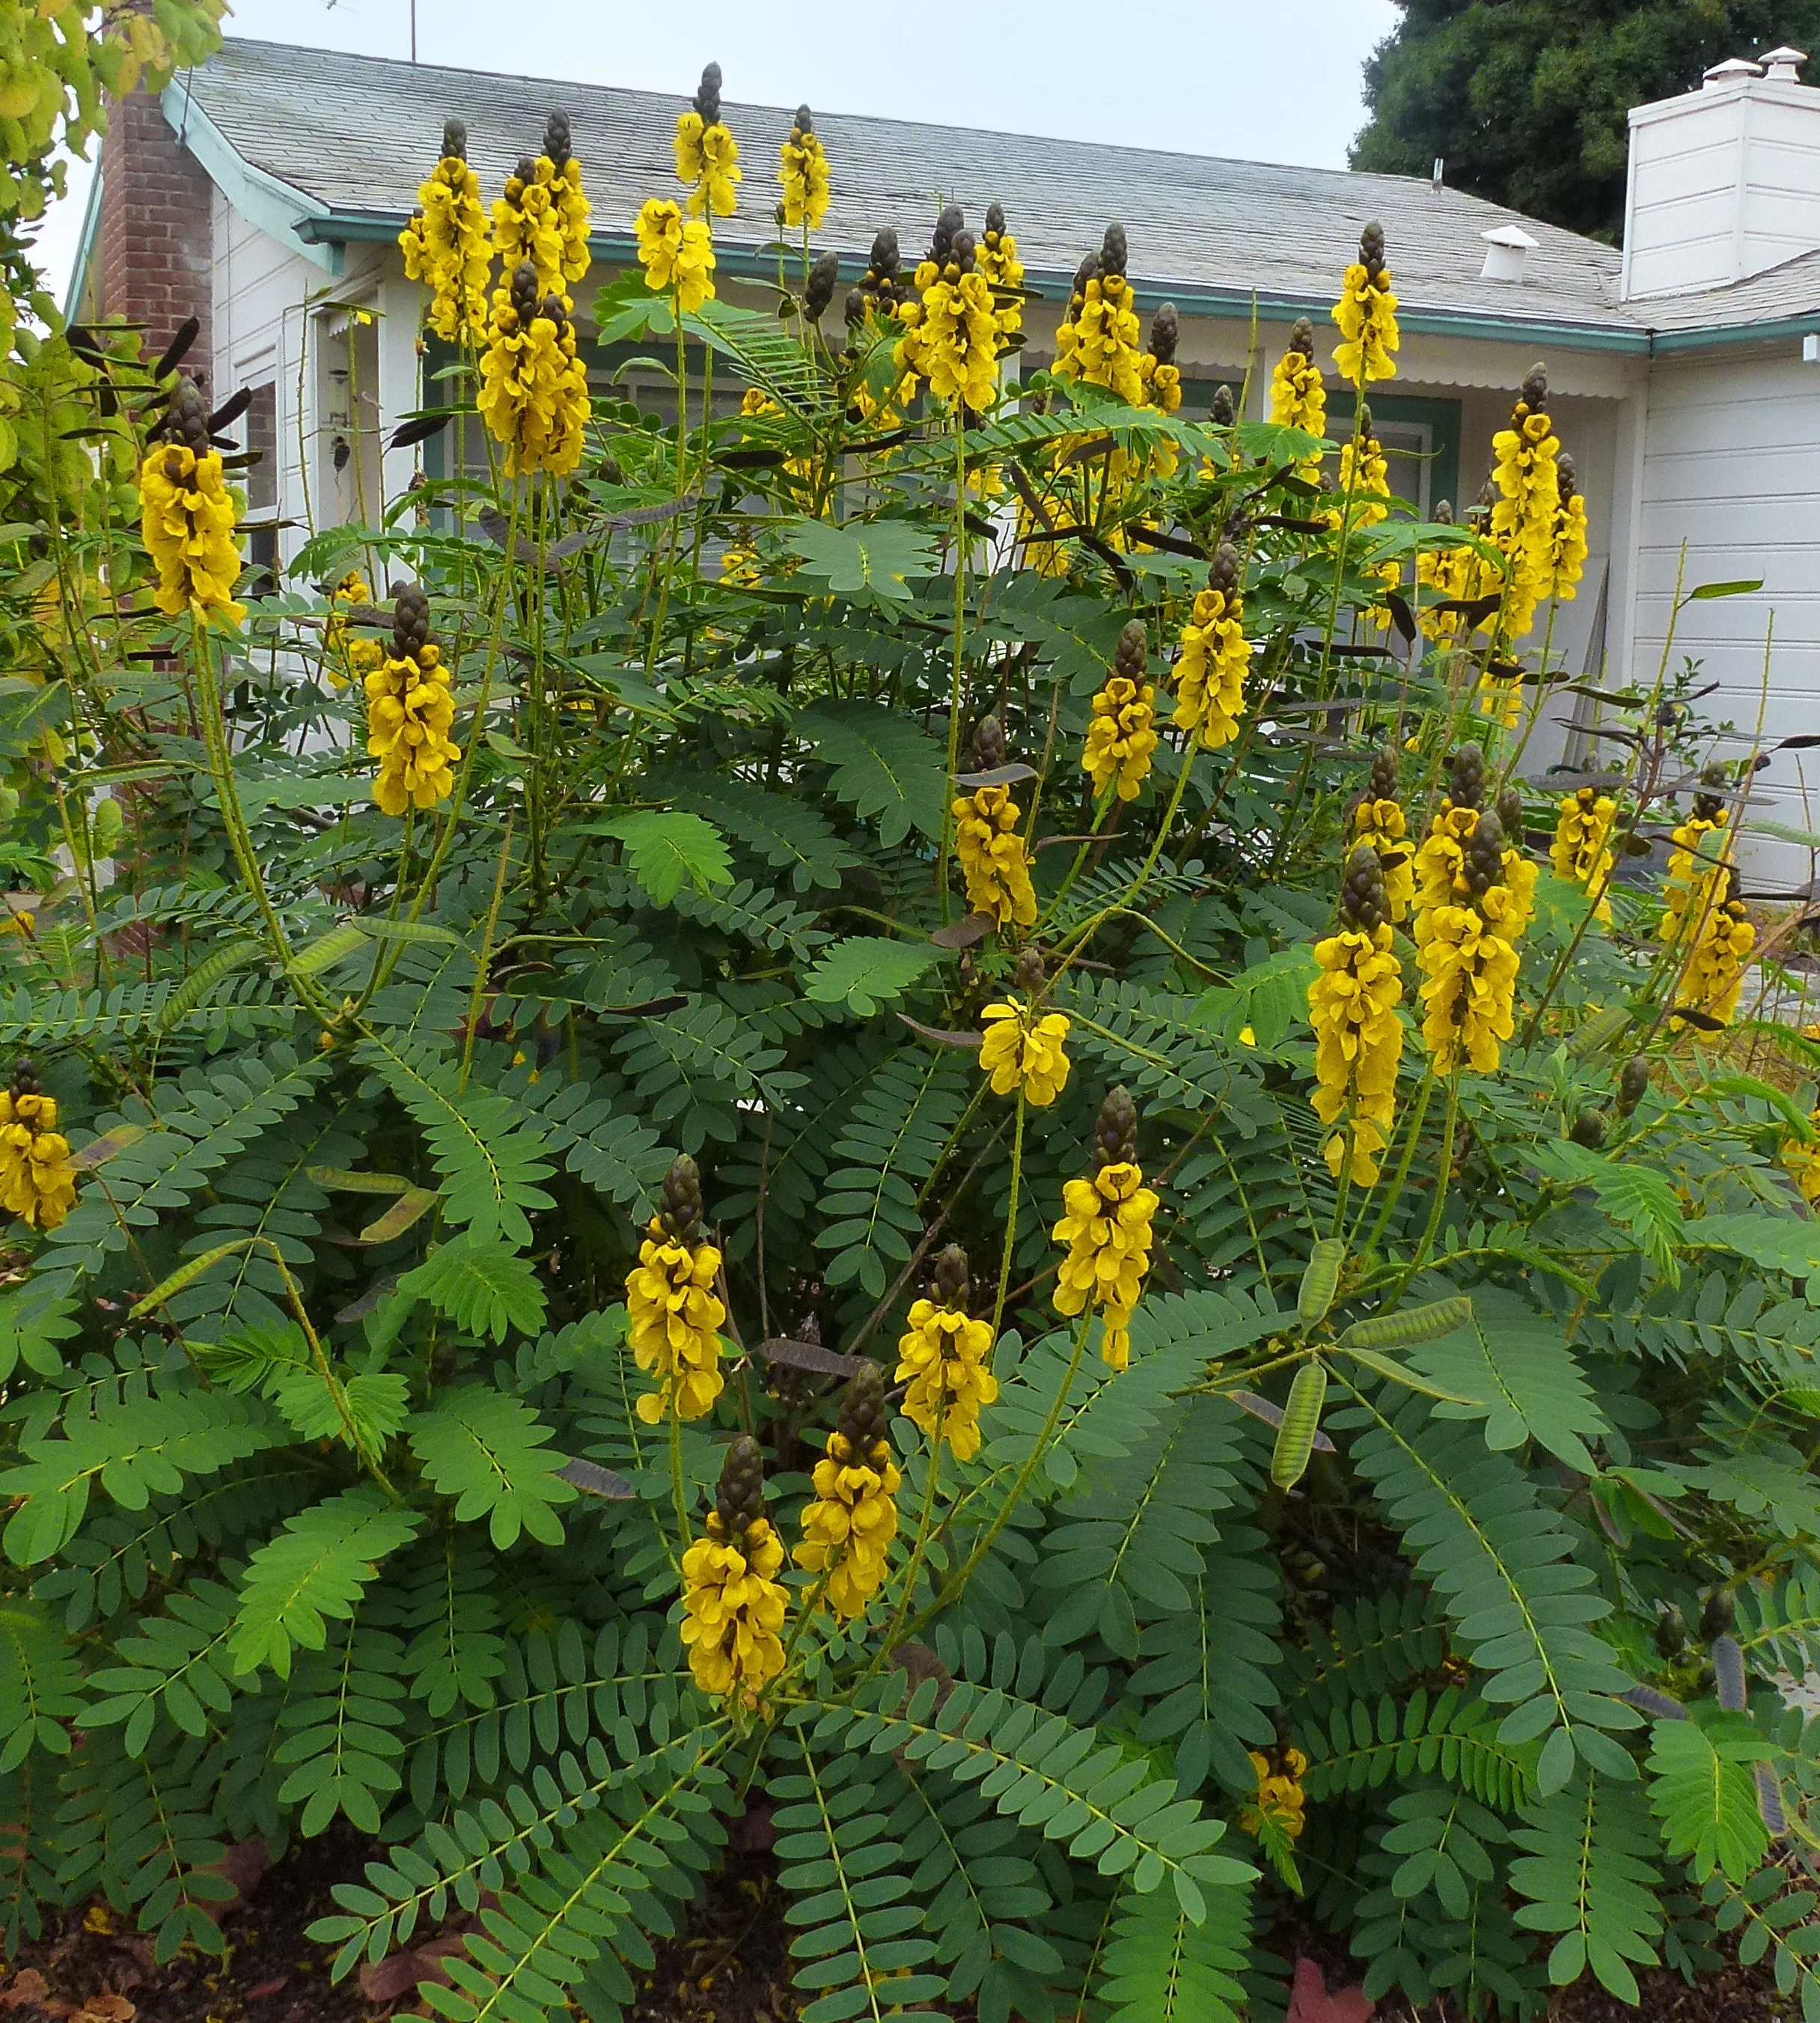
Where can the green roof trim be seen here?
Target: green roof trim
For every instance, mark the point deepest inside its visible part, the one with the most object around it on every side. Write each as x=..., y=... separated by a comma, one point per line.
x=619, y=249
x=274, y=206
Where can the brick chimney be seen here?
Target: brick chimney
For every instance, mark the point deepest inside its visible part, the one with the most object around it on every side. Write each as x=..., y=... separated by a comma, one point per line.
x=154, y=252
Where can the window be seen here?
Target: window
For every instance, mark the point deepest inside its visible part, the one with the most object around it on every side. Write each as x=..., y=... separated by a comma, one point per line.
x=261, y=527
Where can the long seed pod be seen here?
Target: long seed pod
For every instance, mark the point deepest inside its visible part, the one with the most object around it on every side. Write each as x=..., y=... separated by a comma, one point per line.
x=1412, y=1324
x=1601, y=1032
x=1769, y=1800
x=1321, y=1281
x=1728, y=1675
x=1301, y=1420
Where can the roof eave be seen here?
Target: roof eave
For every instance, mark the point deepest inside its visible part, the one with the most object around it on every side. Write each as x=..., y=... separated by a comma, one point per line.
x=276, y=207
x=620, y=249
x=1719, y=337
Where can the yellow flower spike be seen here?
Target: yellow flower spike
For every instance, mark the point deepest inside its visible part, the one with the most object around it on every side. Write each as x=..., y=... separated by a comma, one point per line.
x=38, y=1183
x=994, y=863
x=446, y=244
x=802, y=172
x=1280, y=1801
x=1359, y=1038
x=534, y=394
x=734, y=1607
x=1474, y=897
x=943, y=1357
x=1712, y=979
x=1209, y=672
x=1298, y=391
x=1105, y=1227
x=848, y=1526
x=1366, y=315
x=188, y=515
x=676, y=252
x=997, y=260
x=1121, y=737
x=410, y=711
x=1567, y=542
x=1527, y=505
x=1450, y=575
x=1024, y=1053
x=1581, y=851
x=951, y=333
x=674, y=1312
x=1695, y=871
x=707, y=156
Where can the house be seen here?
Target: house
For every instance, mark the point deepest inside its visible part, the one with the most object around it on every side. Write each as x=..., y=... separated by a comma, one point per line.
x=264, y=192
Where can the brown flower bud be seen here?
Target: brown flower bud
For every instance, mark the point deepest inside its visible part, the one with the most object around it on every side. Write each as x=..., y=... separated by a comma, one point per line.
x=950, y=1287
x=1115, y=1131
x=739, y=1498
x=679, y=1208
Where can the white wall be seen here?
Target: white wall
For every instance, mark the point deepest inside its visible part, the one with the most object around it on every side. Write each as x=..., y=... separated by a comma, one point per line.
x=1724, y=183
x=1729, y=465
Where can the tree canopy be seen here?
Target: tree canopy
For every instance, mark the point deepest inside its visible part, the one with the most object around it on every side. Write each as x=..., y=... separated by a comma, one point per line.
x=1525, y=100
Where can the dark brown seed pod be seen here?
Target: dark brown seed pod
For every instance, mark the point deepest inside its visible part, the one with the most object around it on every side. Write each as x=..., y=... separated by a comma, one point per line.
x=556, y=141
x=861, y=1422
x=679, y=1207
x=1131, y=655
x=950, y=1288
x=1224, y=571
x=739, y=1498
x=1633, y=1083
x=1363, y=904
x=410, y=619
x=823, y=276
x=1115, y=1131
x=1030, y=971
x=1589, y=1128
x=1165, y=334
x=988, y=744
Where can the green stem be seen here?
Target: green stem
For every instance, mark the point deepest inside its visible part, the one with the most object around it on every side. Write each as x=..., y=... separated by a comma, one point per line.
x=1011, y=1218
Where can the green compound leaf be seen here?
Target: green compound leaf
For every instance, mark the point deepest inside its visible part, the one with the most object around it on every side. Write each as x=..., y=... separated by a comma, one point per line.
x=313, y=1572
x=491, y=1451
x=867, y=971
x=867, y=562
x=666, y=849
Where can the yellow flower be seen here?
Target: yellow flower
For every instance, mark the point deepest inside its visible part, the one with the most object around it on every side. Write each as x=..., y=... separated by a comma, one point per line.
x=1581, y=849
x=445, y=244
x=1210, y=673
x=1454, y=575
x=1471, y=990
x=849, y=1526
x=1104, y=351
x=676, y=253
x=992, y=858
x=1352, y=1006
x=707, y=159
x=534, y=388
x=409, y=713
x=346, y=658
x=1298, y=391
x=997, y=260
x=1281, y=1802
x=1121, y=739
x=1105, y=1225
x=1801, y=1160
x=733, y=1608
x=943, y=1357
x=1525, y=512
x=1713, y=976
x=37, y=1183
x=802, y=171
x=187, y=519
x=951, y=331
x=1366, y=314
x=1025, y=1054
x=528, y=225
x=1696, y=869
x=1566, y=559
x=1380, y=824
x=674, y=1315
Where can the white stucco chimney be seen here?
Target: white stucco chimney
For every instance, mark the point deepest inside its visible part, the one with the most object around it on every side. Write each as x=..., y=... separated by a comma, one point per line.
x=1724, y=181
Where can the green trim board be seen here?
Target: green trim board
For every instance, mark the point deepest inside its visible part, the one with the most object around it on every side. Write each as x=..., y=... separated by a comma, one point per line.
x=1440, y=418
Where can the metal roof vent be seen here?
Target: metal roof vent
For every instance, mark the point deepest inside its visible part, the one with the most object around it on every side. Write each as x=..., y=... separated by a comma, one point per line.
x=1728, y=72
x=1508, y=248
x=1783, y=66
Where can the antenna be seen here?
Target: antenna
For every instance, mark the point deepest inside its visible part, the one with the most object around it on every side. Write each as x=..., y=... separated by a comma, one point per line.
x=414, y=30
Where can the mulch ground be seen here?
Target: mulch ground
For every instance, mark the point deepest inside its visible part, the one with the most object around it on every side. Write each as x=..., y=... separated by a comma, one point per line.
x=729, y=1965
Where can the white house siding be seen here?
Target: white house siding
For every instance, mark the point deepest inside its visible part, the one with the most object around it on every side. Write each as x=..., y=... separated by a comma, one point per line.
x=1732, y=445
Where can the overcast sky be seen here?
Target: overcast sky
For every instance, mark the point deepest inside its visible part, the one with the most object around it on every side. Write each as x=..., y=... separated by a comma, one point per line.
x=1269, y=83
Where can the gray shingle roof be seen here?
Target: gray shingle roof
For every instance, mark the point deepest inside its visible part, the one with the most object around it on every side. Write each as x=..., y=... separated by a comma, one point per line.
x=1782, y=294
x=356, y=134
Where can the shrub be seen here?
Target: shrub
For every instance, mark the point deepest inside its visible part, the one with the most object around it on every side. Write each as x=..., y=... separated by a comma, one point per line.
x=878, y=1108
